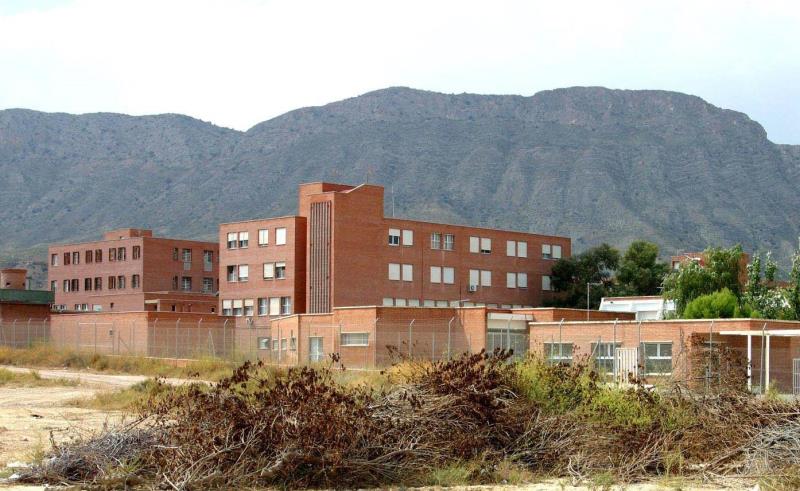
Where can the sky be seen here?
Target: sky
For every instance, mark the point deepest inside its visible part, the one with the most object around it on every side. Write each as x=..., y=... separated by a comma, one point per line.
x=236, y=63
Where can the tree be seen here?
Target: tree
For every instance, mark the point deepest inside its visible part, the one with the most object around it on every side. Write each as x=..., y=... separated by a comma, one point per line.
x=640, y=272
x=718, y=305
x=761, y=295
x=721, y=270
x=570, y=276
x=793, y=292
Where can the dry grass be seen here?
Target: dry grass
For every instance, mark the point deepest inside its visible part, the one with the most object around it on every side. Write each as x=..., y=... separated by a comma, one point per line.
x=49, y=357
x=32, y=379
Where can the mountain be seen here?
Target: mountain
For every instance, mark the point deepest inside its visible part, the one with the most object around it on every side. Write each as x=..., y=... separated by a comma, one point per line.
x=587, y=162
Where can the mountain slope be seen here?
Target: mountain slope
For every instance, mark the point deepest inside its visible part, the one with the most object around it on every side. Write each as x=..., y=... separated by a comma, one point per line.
x=591, y=163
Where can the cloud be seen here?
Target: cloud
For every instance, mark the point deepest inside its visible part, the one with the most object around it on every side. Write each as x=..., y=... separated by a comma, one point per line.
x=238, y=62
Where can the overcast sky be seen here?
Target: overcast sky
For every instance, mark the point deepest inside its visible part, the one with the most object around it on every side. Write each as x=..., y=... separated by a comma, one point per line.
x=238, y=62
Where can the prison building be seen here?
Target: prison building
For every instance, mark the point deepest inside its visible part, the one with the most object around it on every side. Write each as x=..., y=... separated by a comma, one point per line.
x=340, y=250
x=130, y=270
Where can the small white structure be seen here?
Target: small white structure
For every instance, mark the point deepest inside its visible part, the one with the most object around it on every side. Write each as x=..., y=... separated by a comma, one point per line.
x=645, y=308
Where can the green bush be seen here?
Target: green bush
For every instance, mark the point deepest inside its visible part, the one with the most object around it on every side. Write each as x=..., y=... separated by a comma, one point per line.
x=722, y=304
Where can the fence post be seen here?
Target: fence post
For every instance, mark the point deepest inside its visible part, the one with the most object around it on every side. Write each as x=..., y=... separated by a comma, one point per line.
x=177, y=326
x=560, y=340
x=508, y=333
x=14, y=332
x=78, y=337
x=614, y=352
x=449, y=346
x=433, y=345
x=95, y=338
x=29, y=332
x=410, y=331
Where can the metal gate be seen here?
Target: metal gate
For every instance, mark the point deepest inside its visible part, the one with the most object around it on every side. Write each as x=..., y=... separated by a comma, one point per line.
x=626, y=363
x=796, y=376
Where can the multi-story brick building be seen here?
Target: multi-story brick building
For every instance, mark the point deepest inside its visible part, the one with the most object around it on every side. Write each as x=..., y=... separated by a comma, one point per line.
x=342, y=251
x=130, y=270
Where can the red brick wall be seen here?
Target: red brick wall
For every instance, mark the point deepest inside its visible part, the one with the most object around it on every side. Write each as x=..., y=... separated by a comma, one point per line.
x=22, y=312
x=555, y=314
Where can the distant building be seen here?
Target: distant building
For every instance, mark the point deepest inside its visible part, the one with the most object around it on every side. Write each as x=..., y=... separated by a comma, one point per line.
x=645, y=307
x=700, y=259
x=17, y=302
x=130, y=270
x=340, y=251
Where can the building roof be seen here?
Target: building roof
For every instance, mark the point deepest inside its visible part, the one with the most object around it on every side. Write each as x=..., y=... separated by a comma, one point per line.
x=35, y=297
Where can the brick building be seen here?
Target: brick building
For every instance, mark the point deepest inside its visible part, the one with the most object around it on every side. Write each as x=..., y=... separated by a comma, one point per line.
x=130, y=270
x=340, y=250
x=700, y=259
x=17, y=302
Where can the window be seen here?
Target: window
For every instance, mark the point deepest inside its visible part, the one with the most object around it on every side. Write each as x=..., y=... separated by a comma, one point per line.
x=280, y=271
x=263, y=306
x=227, y=307
x=388, y=301
x=67, y=258
x=174, y=253
x=286, y=305
x=394, y=271
x=112, y=254
x=248, y=307
x=522, y=249
x=98, y=255
x=546, y=283
x=603, y=354
x=657, y=358
x=436, y=274
x=408, y=272
x=400, y=302
x=486, y=245
x=511, y=280
x=135, y=281
x=112, y=282
x=233, y=240
x=244, y=240
x=137, y=252
x=120, y=282
x=474, y=277
x=474, y=244
x=238, y=308
x=354, y=339
x=263, y=343
x=87, y=284
x=449, y=242
x=263, y=237
x=511, y=248
x=187, y=256
x=244, y=272
x=175, y=282
x=76, y=257
x=232, y=273
x=98, y=283
x=53, y=259
x=394, y=237
x=186, y=283
x=275, y=345
x=547, y=251
x=88, y=256
x=558, y=353
x=53, y=286
x=556, y=252
x=448, y=275
x=408, y=237
x=486, y=278
x=66, y=286
x=208, y=285
x=436, y=240
x=522, y=280
x=275, y=306
x=269, y=271
x=121, y=254
x=280, y=236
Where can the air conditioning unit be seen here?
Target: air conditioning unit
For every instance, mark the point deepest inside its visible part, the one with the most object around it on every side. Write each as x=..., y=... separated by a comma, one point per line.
x=473, y=288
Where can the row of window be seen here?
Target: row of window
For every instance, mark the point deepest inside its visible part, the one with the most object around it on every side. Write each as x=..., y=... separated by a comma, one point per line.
x=96, y=256
x=96, y=284
x=477, y=277
x=656, y=357
x=415, y=302
x=241, y=240
x=477, y=245
x=271, y=306
x=315, y=351
x=270, y=271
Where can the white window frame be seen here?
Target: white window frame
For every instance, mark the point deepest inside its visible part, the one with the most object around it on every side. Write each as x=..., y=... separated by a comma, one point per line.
x=249, y=307
x=556, y=251
x=547, y=251
x=547, y=284
x=449, y=245
x=354, y=339
x=280, y=236
x=263, y=306
x=408, y=272
x=522, y=280
x=286, y=305
x=448, y=275
x=243, y=272
x=388, y=301
x=474, y=244
x=274, y=306
x=394, y=237
x=263, y=237
x=486, y=277
x=408, y=238
x=269, y=271
x=394, y=271
x=486, y=245
x=278, y=266
x=233, y=237
x=658, y=357
x=244, y=237
x=511, y=248
x=555, y=352
x=400, y=302
x=474, y=277
x=522, y=249
x=238, y=304
x=511, y=280
x=436, y=240
x=436, y=274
